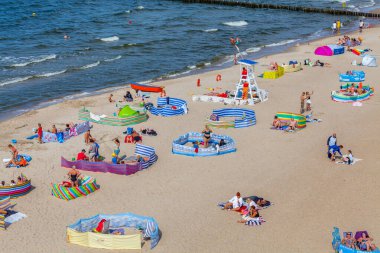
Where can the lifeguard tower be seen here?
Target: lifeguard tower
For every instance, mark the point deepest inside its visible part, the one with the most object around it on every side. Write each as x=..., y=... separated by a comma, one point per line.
x=254, y=93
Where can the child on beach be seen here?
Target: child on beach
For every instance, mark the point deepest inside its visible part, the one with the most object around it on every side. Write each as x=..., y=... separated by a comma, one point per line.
x=39, y=133
x=308, y=100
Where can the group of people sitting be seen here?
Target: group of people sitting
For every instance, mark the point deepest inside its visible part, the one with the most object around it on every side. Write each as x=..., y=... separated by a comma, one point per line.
x=248, y=207
x=16, y=159
x=20, y=180
x=334, y=148
x=353, y=91
x=349, y=42
x=281, y=124
x=364, y=242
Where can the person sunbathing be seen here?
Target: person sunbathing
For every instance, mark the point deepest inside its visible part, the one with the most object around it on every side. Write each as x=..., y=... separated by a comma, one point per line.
x=321, y=64
x=277, y=123
x=136, y=137
x=20, y=180
x=292, y=124
x=14, y=157
x=253, y=214
x=365, y=243
x=262, y=202
x=88, y=137
x=349, y=241
x=74, y=175
x=235, y=203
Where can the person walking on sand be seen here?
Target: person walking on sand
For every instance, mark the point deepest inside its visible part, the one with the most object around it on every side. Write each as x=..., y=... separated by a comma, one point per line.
x=39, y=133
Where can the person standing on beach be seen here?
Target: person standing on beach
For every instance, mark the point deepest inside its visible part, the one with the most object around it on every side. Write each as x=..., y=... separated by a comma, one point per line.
x=361, y=25
x=303, y=98
x=39, y=133
x=332, y=141
x=334, y=27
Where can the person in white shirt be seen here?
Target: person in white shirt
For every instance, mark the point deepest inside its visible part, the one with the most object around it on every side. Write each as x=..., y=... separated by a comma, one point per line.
x=235, y=203
x=361, y=25
x=332, y=141
x=334, y=27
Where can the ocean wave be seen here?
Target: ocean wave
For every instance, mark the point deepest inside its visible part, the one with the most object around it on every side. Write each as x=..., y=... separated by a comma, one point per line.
x=370, y=4
x=113, y=59
x=122, y=13
x=35, y=60
x=140, y=7
x=90, y=65
x=25, y=78
x=49, y=74
x=236, y=23
x=281, y=43
x=127, y=45
x=191, y=67
x=15, y=80
x=110, y=39
x=253, y=49
x=211, y=30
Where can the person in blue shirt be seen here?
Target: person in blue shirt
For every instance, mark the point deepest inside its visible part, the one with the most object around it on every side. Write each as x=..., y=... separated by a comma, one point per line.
x=333, y=150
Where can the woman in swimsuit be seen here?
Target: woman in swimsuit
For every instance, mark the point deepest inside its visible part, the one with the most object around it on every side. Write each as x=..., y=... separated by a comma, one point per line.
x=14, y=153
x=365, y=243
x=74, y=176
x=206, y=135
x=253, y=214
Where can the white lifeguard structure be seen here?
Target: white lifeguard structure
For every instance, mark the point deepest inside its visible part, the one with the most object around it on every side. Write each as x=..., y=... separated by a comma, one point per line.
x=248, y=95
x=255, y=94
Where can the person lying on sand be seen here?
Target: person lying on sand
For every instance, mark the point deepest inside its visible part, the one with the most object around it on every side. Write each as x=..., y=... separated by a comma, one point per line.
x=321, y=64
x=348, y=158
x=235, y=203
x=253, y=214
x=136, y=137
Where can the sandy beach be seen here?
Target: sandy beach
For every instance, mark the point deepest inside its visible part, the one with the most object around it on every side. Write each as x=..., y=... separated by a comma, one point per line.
x=310, y=193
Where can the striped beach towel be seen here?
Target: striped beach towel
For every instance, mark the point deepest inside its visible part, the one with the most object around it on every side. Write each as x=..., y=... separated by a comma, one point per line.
x=255, y=222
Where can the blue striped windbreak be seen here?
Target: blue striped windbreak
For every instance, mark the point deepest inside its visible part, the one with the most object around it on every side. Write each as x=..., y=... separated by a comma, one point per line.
x=165, y=107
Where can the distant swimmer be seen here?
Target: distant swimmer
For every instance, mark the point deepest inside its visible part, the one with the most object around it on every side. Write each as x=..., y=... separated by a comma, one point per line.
x=66, y=37
x=34, y=14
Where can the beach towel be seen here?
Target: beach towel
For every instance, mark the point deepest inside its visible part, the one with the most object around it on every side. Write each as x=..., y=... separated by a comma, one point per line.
x=94, y=117
x=353, y=162
x=14, y=217
x=255, y=222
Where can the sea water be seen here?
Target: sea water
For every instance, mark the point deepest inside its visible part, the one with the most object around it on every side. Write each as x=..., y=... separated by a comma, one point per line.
x=55, y=50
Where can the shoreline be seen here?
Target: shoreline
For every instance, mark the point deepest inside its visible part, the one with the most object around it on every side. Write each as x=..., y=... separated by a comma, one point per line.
x=262, y=53
x=181, y=193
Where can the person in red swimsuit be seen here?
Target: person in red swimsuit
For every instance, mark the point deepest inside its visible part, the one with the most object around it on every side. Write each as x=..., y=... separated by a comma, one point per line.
x=244, y=73
x=39, y=132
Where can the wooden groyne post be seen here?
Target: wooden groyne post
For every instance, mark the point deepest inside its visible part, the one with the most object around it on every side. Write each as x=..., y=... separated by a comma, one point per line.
x=285, y=7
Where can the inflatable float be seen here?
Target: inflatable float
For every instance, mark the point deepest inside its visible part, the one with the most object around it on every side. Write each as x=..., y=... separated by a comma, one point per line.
x=126, y=117
x=104, y=231
x=287, y=116
x=16, y=191
x=179, y=146
x=232, y=117
x=167, y=107
x=352, y=76
x=87, y=185
x=146, y=88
